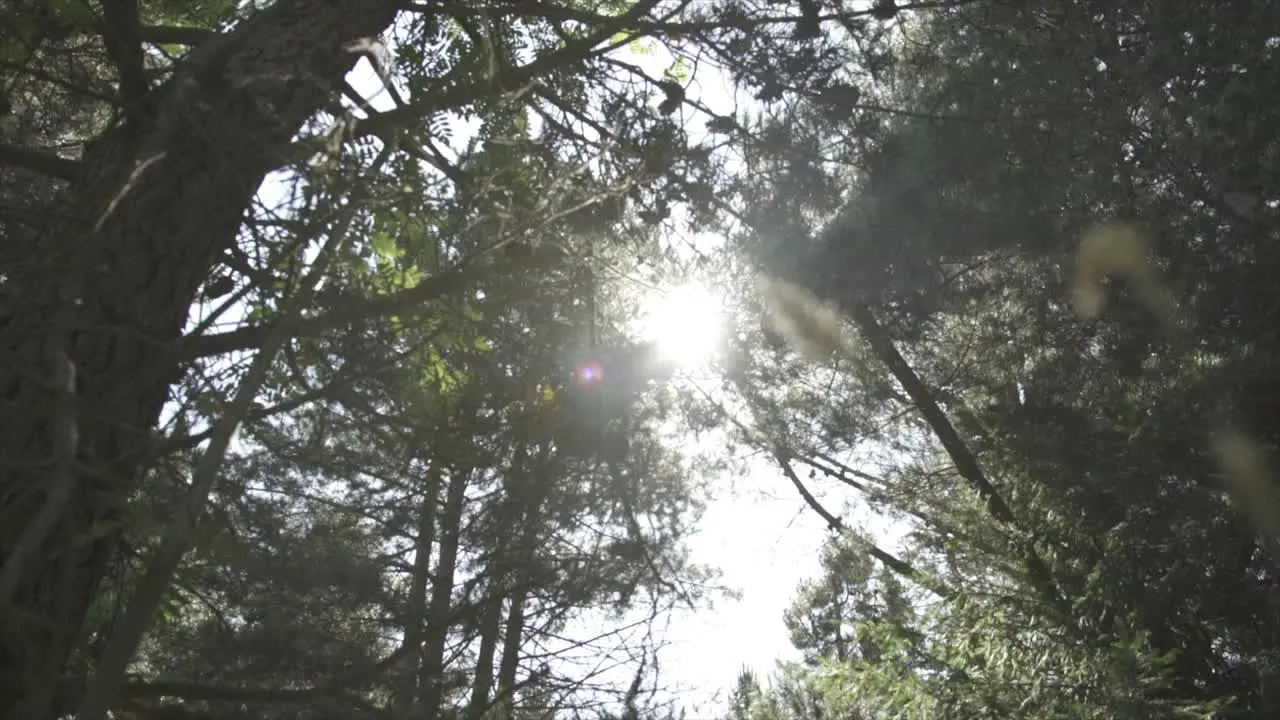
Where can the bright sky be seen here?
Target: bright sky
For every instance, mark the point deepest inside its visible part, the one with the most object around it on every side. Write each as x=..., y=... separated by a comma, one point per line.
x=758, y=531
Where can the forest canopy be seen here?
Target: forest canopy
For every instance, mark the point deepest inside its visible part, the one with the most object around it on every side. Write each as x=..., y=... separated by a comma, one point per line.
x=374, y=358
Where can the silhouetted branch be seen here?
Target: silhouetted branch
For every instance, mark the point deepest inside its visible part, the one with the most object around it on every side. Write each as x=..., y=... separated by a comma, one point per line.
x=123, y=39
x=516, y=79
x=41, y=162
x=173, y=35
x=961, y=456
x=407, y=302
x=887, y=559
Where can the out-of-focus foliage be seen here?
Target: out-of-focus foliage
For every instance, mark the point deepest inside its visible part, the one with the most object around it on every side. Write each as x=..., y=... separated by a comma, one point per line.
x=1090, y=561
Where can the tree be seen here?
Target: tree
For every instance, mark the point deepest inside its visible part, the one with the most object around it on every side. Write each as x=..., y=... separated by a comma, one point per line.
x=795, y=693
x=744, y=696
x=1072, y=535
x=140, y=133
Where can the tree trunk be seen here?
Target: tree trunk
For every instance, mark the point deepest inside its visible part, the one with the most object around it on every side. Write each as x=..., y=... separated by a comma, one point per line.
x=512, y=643
x=416, y=613
x=490, y=628
x=431, y=678
x=529, y=489
x=504, y=578
x=159, y=200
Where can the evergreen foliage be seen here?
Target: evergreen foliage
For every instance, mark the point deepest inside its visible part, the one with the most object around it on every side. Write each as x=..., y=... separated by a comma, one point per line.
x=320, y=405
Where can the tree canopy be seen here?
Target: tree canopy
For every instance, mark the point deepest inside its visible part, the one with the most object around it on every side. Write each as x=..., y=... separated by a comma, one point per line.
x=325, y=395
x=1082, y=462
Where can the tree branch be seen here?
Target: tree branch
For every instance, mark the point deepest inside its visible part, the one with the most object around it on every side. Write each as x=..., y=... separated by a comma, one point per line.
x=961, y=456
x=109, y=678
x=175, y=35
x=411, y=301
x=510, y=80
x=885, y=558
x=40, y=162
x=121, y=33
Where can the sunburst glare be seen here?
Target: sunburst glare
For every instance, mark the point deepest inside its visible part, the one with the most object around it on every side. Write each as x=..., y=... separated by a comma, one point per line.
x=685, y=323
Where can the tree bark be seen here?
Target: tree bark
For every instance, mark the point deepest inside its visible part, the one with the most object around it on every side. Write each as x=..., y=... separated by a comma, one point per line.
x=159, y=198
x=431, y=673
x=482, y=685
x=528, y=490
x=416, y=612
x=512, y=643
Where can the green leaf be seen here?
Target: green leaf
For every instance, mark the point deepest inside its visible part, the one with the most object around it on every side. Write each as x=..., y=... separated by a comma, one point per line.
x=679, y=71
x=385, y=246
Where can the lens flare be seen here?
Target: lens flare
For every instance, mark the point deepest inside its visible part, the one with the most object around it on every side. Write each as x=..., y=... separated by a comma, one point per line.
x=589, y=373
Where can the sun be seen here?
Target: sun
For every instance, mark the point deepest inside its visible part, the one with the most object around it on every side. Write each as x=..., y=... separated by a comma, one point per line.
x=685, y=323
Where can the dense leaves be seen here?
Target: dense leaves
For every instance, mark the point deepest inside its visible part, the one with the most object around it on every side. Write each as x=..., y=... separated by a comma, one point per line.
x=1092, y=562
x=288, y=424
x=322, y=397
